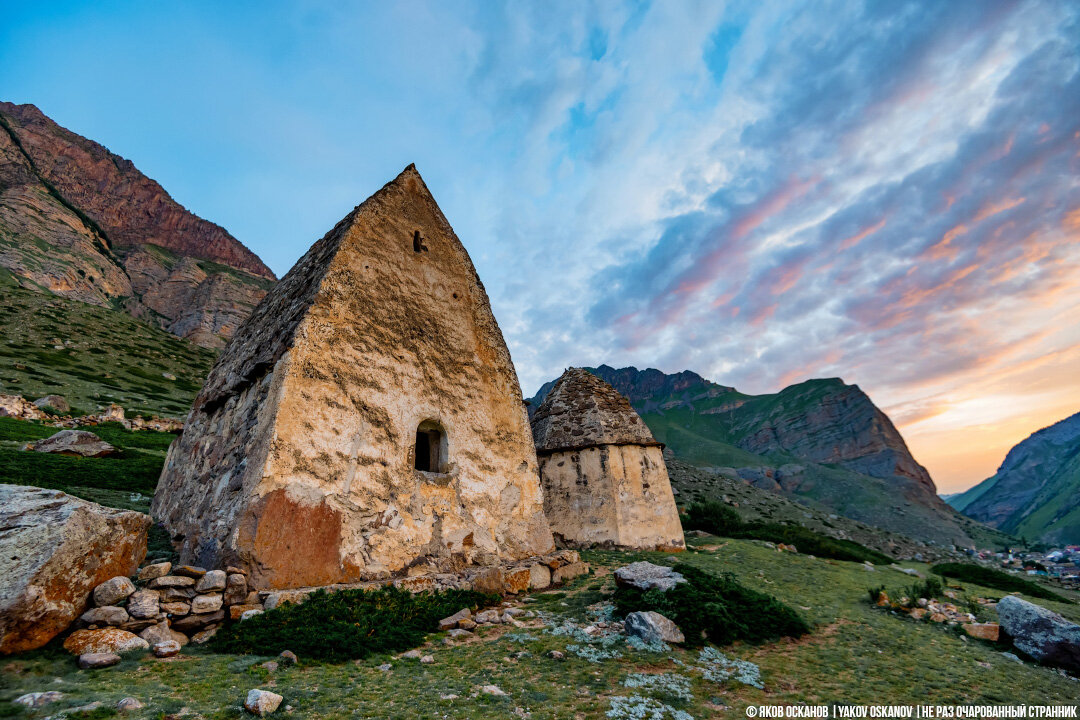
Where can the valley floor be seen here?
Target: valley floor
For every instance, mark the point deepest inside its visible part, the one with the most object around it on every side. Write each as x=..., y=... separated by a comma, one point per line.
x=856, y=654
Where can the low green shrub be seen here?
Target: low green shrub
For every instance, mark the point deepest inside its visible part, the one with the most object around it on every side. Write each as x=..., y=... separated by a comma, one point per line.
x=347, y=624
x=988, y=577
x=930, y=589
x=712, y=517
x=720, y=519
x=715, y=607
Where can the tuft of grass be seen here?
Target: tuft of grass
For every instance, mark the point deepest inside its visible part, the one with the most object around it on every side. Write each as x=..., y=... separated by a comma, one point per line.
x=717, y=608
x=988, y=577
x=720, y=519
x=349, y=624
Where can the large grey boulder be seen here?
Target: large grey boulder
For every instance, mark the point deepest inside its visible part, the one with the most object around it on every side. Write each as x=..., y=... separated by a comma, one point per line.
x=653, y=627
x=54, y=550
x=1041, y=633
x=646, y=576
x=74, y=442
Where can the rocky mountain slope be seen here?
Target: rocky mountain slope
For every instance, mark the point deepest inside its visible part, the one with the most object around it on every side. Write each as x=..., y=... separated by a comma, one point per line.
x=1036, y=491
x=821, y=441
x=83, y=223
x=93, y=356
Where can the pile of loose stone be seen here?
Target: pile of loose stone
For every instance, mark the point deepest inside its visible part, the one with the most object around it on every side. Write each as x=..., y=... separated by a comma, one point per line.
x=933, y=610
x=167, y=608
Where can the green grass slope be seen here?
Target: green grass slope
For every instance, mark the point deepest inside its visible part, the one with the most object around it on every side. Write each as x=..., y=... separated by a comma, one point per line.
x=93, y=356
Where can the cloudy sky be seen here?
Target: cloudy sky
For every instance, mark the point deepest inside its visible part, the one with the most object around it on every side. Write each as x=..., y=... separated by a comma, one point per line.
x=763, y=192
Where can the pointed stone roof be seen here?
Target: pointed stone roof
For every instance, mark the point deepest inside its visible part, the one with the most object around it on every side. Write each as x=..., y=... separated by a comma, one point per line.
x=584, y=411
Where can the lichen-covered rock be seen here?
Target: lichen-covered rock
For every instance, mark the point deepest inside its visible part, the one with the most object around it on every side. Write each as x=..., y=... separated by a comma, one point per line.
x=367, y=415
x=517, y=580
x=78, y=443
x=1041, y=633
x=152, y=572
x=651, y=627
x=175, y=608
x=262, y=702
x=55, y=549
x=113, y=591
x=108, y=615
x=539, y=576
x=206, y=603
x=604, y=477
x=96, y=661
x=566, y=573
x=451, y=622
x=235, y=589
x=38, y=699
x=644, y=575
x=144, y=604
x=173, y=581
x=166, y=649
x=107, y=640
x=56, y=402
x=197, y=621
x=982, y=631
x=161, y=633
x=213, y=581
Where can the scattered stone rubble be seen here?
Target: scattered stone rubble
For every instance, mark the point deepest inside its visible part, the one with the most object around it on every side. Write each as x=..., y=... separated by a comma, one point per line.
x=20, y=408
x=944, y=612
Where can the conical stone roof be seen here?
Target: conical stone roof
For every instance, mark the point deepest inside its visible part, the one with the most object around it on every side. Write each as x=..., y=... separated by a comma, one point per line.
x=584, y=411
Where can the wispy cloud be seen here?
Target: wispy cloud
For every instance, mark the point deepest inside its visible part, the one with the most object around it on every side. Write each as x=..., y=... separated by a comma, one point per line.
x=759, y=191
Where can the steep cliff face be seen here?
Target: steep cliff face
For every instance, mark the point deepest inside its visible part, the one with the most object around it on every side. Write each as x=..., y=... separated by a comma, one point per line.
x=1036, y=491
x=83, y=223
x=821, y=441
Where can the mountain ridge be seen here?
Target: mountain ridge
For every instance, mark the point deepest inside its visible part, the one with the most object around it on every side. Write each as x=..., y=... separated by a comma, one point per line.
x=79, y=221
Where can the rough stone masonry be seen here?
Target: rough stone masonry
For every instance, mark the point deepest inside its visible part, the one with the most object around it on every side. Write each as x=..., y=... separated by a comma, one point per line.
x=365, y=421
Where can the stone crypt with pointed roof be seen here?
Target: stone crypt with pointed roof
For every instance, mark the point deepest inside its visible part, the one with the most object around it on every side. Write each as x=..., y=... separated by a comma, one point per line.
x=364, y=421
x=603, y=472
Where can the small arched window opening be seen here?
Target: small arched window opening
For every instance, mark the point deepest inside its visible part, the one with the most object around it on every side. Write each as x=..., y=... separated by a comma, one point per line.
x=430, y=453
x=418, y=242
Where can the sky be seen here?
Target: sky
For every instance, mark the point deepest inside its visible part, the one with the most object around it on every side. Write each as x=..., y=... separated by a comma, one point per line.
x=762, y=192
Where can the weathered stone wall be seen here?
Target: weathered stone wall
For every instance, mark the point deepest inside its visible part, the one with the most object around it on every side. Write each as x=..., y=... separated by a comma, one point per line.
x=297, y=460
x=611, y=496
